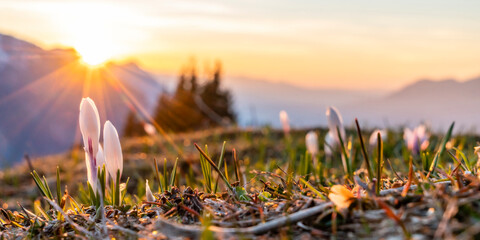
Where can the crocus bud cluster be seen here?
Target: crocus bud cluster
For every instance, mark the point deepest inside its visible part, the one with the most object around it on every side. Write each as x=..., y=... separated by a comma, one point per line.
x=416, y=139
x=95, y=155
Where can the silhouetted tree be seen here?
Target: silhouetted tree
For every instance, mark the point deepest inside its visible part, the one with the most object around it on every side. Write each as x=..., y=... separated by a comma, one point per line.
x=133, y=127
x=218, y=100
x=194, y=106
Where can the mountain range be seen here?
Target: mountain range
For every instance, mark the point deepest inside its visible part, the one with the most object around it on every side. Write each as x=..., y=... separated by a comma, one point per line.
x=436, y=103
x=40, y=91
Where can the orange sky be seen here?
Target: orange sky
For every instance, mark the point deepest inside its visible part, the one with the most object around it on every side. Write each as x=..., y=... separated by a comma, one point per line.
x=339, y=44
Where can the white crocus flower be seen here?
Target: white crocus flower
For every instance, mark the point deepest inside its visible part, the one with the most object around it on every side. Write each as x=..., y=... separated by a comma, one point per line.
x=112, y=151
x=373, y=138
x=101, y=162
x=416, y=139
x=89, y=122
x=335, y=121
x=149, y=129
x=329, y=144
x=285, y=122
x=100, y=157
x=311, y=142
x=148, y=192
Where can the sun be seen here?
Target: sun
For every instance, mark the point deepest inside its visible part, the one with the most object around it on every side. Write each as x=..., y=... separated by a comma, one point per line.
x=93, y=55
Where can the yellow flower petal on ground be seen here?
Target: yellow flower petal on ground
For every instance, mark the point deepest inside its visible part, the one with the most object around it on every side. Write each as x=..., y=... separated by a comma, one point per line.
x=340, y=196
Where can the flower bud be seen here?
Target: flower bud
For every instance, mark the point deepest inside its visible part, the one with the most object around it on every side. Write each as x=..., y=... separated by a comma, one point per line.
x=112, y=151
x=373, y=138
x=416, y=139
x=311, y=142
x=335, y=121
x=148, y=193
x=285, y=122
x=89, y=123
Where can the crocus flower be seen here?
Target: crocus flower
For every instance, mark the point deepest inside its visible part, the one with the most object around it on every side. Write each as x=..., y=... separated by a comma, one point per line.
x=100, y=157
x=416, y=139
x=329, y=144
x=148, y=192
x=149, y=129
x=112, y=151
x=373, y=138
x=285, y=122
x=334, y=120
x=101, y=162
x=341, y=196
x=89, y=122
x=311, y=142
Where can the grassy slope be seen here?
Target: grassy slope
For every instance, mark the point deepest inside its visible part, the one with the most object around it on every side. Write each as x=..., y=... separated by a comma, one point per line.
x=267, y=150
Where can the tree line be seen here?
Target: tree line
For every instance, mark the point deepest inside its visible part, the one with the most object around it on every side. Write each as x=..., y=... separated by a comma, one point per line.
x=194, y=104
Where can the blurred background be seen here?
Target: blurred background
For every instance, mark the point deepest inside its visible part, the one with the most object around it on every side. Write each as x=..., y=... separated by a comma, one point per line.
x=182, y=66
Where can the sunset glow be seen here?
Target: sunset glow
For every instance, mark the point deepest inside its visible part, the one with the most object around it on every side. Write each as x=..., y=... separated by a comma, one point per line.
x=328, y=45
x=93, y=56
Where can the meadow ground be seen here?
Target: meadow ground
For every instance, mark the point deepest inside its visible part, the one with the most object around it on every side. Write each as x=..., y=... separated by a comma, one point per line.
x=261, y=184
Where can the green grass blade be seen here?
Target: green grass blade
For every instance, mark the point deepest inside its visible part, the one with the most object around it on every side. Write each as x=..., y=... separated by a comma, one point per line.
x=39, y=183
x=165, y=184
x=117, y=189
x=379, y=163
x=157, y=173
x=345, y=159
x=456, y=160
x=364, y=150
x=312, y=188
x=59, y=189
x=124, y=191
x=441, y=150
x=93, y=199
x=220, y=162
x=465, y=160
x=49, y=192
x=173, y=174
x=226, y=170
x=75, y=205
x=235, y=165
x=205, y=173
x=214, y=167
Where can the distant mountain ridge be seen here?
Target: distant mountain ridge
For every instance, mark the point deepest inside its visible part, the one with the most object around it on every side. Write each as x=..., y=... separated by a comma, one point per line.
x=437, y=103
x=447, y=86
x=40, y=91
x=259, y=102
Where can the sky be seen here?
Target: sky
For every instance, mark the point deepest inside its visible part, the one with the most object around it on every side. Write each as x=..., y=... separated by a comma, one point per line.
x=326, y=44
